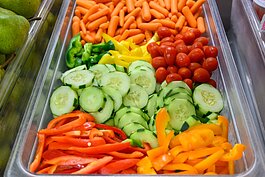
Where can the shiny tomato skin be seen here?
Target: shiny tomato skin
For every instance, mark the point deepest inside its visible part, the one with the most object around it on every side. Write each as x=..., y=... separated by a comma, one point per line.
x=168, y=44
x=173, y=77
x=167, y=39
x=203, y=40
x=189, y=82
x=170, y=55
x=179, y=41
x=163, y=32
x=196, y=55
x=162, y=49
x=179, y=36
x=212, y=82
x=185, y=72
x=159, y=62
x=182, y=60
x=210, y=64
x=161, y=74
x=210, y=51
x=201, y=75
x=196, y=32
x=172, y=69
x=194, y=66
x=181, y=48
x=197, y=45
x=154, y=49
x=188, y=37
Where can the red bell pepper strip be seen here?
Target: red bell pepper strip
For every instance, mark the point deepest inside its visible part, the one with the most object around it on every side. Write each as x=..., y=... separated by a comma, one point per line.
x=128, y=171
x=36, y=162
x=86, y=126
x=121, y=155
x=70, y=160
x=47, y=170
x=143, y=150
x=50, y=154
x=116, y=167
x=118, y=131
x=94, y=166
x=95, y=133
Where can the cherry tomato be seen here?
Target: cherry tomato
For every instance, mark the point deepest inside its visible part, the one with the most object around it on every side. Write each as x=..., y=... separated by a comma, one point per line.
x=181, y=48
x=154, y=49
x=170, y=55
x=210, y=64
x=162, y=49
x=196, y=55
x=179, y=41
x=188, y=37
x=163, y=32
x=159, y=62
x=173, y=77
x=212, y=82
x=179, y=36
x=189, y=83
x=203, y=40
x=189, y=48
x=161, y=74
x=167, y=39
x=201, y=75
x=210, y=51
x=194, y=66
x=168, y=44
x=196, y=32
x=184, y=72
x=172, y=69
x=182, y=60
x=197, y=45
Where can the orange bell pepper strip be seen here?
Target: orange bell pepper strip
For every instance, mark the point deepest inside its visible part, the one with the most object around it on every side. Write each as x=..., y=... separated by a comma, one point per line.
x=162, y=119
x=144, y=170
x=70, y=160
x=235, y=153
x=218, y=140
x=180, y=166
x=135, y=154
x=174, y=142
x=94, y=166
x=95, y=133
x=203, y=152
x=231, y=167
x=223, y=122
x=210, y=173
x=159, y=162
x=176, y=150
x=118, y=166
x=48, y=170
x=181, y=158
x=36, y=162
x=217, y=130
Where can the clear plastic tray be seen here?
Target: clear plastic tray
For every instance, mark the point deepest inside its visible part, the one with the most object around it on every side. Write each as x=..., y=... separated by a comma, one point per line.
x=242, y=128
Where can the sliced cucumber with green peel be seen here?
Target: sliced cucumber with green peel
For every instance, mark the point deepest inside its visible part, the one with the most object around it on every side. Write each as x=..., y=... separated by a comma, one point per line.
x=146, y=136
x=109, y=122
x=189, y=122
x=79, y=79
x=120, y=68
x=63, y=100
x=131, y=128
x=207, y=99
x=115, y=95
x=119, y=114
x=110, y=67
x=152, y=105
x=103, y=115
x=169, y=99
x=99, y=70
x=145, y=79
x=178, y=84
x=130, y=118
x=140, y=64
x=170, y=92
x=92, y=99
x=117, y=80
x=137, y=97
x=151, y=123
x=180, y=110
x=78, y=68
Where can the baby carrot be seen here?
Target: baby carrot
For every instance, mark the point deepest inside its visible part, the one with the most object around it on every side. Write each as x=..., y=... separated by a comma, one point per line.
x=196, y=6
x=127, y=23
x=111, y=8
x=118, y=31
x=174, y=18
x=104, y=25
x=179, y=14
x=117, y=9
x=117, y=37
x=133, y=25
x=174, y=7
x=167, y=4
x=138, y=38
x=200, y=24
x=102, y=1
x=113, y=24
x=88, y=38
x=82, y=26
x=134, y=13
x=167, y=23
x=156, y=14
x=190, y=3
x=84, y=4
x=198, y=13
x=98, y=14
x=130, y=5
x=161, y=3
x=124, y=35
x=83, y=42
x=189, y=17
x=180, y=22
x=149, y=26
x=169, y=15
x=76, y=19
x=77, y=13
x=132, y=32
x=146, y=15
x=148, y=35
x=181, y=4
x=173, y=31
x=91, y=11
x=139, y=3
x=139, y=20
x=157, y=7
x=121, y=14
x=102, y=6
x=98, y=35
x=75, y=28
x=82, y=10
x=95, y=24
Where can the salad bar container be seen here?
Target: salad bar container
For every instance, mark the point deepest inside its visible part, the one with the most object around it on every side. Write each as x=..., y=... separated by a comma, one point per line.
x=243, y=123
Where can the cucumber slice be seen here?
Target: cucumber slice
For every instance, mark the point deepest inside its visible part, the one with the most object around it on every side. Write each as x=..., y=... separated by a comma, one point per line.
x=207, y=99
x=63, y=100
x=92, y=99
x=99, y=70
x=131, y=128
x=119, y=114
x=168, y=100
x=179, y=110
x=140, y=64
x=178, y=84
x=109, y=122
x=151, y=123
x=147, y=136
x=78, y=68
x=137, y=97
x=145, y=79
x=191, y=121
x=110, y=67
x=79, y=79
x=103, y=115
x=115, y=95
x=170, y=92
x=120, y=68
x=152, y=105
x=117, y=80
x=130, y=118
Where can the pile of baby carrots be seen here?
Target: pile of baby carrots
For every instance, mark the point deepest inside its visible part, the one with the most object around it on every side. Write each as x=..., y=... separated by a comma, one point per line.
x=135, y=19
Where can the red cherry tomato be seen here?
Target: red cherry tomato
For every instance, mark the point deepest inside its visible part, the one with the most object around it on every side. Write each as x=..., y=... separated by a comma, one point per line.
x=196, y=55
x=161, y=74
x=212, y=82
x=184, y=72
x=170, y=55
x=159, y=62
x=162, y=49
x=154, y=49
x=179, y=41
x=182, y=60
x=181, y=48
x=196, y=32
x=210, y=51
x=168, y=44
x=197, y=45
x=189, y=83
x=203, y=40
x=172, y=69
x=201, y=75
x=188, y=37
x=173, y=77
x=163, y=32
x=179, y=36
x=167, y=39
x=210, y=64
x=194, y=66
